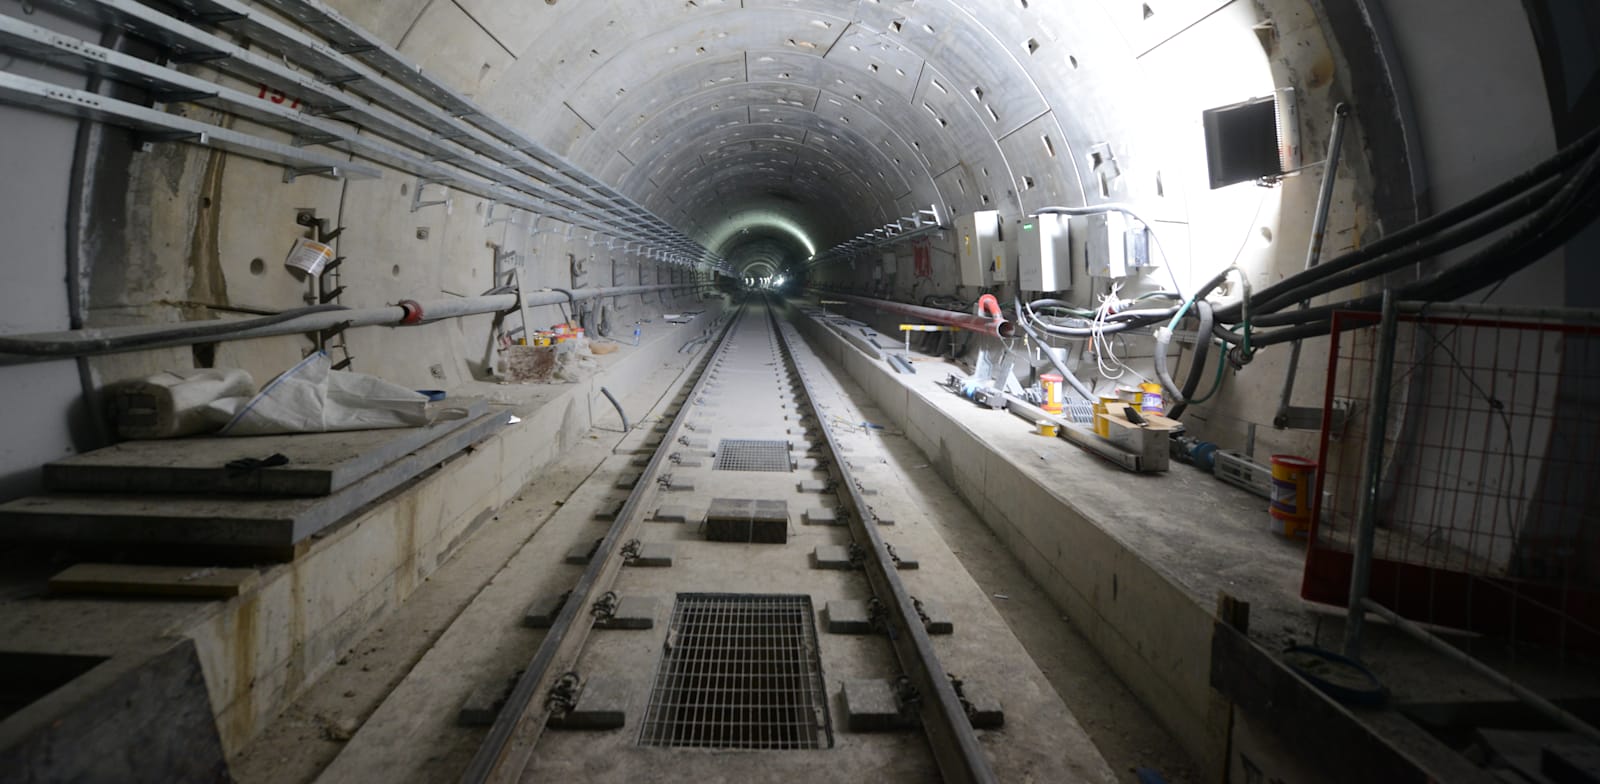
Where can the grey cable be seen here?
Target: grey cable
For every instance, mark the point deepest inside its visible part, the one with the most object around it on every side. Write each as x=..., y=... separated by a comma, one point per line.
x=625, y=426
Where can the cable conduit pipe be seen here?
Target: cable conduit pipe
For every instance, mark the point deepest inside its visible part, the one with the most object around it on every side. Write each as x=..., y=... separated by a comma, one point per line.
x=86, y=342
x=94, y=341
x=995, y=326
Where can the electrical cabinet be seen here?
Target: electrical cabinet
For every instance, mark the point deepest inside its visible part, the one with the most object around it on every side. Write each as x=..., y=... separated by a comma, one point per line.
x=1115, y=245
x=981, y=254
x=1044, y=257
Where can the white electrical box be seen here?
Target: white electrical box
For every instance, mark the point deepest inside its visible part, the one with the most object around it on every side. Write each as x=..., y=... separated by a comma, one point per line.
x=979, y=249
x=1044, y=258
x=1115, y=245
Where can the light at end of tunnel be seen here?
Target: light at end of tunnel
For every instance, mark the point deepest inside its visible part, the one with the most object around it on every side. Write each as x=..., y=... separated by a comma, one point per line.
x=738, y=224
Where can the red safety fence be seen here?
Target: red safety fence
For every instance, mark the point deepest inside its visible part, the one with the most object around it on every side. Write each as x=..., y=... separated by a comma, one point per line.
x=1489, y=510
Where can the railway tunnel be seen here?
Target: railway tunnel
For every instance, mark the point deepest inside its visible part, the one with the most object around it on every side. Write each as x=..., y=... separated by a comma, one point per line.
x=979, y=390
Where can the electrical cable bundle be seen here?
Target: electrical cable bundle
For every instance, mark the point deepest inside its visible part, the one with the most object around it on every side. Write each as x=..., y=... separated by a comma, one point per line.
x=1534, y=214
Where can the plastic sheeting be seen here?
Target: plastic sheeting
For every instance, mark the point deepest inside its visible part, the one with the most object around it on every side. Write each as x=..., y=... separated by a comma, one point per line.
x=311, y=397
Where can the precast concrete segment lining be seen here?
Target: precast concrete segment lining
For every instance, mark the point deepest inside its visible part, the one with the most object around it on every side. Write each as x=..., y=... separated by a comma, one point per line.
x=923, y=90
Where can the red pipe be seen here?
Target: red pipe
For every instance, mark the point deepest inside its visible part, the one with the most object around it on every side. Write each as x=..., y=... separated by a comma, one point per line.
x=996, y=325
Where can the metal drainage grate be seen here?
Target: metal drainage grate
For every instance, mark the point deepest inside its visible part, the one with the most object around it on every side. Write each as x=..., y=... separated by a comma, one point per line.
x=735, y=454
x=739, y=671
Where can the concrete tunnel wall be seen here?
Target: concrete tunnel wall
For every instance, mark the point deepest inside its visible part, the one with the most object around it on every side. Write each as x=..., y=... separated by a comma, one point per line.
x=750, y=126
x=786, y=119
x=789, y=124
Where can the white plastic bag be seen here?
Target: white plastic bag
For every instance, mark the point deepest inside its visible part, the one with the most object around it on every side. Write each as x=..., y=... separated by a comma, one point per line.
x=312, y=397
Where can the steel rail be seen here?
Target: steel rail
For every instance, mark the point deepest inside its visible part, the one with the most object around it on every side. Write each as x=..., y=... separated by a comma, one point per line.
x=950, y=735
x=509, y=746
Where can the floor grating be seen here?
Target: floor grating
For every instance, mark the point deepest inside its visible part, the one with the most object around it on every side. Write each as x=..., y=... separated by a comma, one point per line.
x=737, y=454
x=739, y=671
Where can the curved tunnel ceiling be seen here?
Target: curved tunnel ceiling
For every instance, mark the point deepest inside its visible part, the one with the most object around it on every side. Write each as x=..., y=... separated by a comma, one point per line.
x=838, y=116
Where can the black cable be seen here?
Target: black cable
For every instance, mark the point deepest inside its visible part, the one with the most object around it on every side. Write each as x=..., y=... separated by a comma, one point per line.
x=1340, y=273
x=1491, y=201
x=1573, y=210
x=1197, y=366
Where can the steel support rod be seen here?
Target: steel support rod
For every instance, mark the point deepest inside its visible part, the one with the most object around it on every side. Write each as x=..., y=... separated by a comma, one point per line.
x=1371, y=474
x=998, y=327
x=1319, y=226
x=1549, y=709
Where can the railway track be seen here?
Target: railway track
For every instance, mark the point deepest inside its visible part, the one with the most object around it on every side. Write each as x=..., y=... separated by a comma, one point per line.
x=756, y=355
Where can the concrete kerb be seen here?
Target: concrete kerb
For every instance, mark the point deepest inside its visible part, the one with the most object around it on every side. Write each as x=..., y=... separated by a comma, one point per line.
x=260, y=650
x=1102, y=583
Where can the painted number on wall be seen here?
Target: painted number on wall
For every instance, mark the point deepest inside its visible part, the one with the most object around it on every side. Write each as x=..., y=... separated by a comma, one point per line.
x=277, y=96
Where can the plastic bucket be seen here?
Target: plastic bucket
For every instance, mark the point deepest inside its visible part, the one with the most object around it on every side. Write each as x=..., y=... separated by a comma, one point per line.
x=1291, y=494
x=1102, y=426
x=1047, y=428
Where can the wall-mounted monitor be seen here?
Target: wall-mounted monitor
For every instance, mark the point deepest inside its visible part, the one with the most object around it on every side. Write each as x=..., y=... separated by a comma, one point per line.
x=1243, y=141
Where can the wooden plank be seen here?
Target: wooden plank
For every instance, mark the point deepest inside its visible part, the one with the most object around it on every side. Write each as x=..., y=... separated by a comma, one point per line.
x=149, y=580
x=319, y=463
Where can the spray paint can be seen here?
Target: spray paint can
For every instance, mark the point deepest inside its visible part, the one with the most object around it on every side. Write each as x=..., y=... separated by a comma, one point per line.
x=1052, y=391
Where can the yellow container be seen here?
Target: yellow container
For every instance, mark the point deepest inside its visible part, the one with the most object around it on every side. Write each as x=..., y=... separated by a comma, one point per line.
x=1102, y=426
x=1047, y=428
x=1292, y=479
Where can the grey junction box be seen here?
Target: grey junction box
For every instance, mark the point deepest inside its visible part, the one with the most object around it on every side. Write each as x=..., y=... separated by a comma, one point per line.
x=1044, y=256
